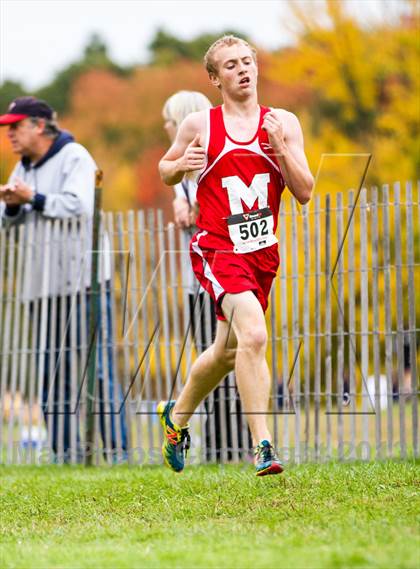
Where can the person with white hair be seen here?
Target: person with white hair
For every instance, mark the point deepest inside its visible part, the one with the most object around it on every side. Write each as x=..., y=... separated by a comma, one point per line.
x=175, y=110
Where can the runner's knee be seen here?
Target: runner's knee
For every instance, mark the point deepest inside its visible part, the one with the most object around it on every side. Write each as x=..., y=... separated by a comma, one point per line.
x=253, y=338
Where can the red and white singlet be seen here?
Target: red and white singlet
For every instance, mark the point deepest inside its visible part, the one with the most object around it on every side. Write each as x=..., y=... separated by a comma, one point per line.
x=238, y=194
x=239, y=178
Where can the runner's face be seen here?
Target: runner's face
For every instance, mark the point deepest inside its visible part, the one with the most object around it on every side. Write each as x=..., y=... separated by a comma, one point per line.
x=237, y=71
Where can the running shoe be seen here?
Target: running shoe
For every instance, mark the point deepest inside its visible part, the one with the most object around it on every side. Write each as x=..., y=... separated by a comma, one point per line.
x=266, y=460
x=176, y=440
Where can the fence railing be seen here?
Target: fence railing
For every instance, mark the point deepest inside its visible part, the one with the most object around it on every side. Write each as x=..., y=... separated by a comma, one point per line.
x=343, y=337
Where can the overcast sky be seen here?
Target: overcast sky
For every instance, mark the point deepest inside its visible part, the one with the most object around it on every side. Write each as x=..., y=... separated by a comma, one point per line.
x=40, y=37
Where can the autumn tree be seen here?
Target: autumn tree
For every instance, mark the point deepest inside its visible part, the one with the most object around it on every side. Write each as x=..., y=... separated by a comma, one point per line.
x=364, y=83
x=95, y=56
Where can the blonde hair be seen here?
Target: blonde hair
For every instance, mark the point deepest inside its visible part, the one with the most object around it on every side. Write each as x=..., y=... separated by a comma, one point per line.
x=224, y=41
x=182, y=103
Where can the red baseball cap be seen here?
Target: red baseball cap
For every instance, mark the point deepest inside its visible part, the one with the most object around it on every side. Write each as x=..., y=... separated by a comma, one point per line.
x=24, y=107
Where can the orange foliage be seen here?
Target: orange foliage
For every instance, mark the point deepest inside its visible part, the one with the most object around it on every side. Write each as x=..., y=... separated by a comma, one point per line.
x=151, y=192
x=7, y=157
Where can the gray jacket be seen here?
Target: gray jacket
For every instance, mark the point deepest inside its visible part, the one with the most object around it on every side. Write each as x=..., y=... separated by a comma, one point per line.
x=57, y=232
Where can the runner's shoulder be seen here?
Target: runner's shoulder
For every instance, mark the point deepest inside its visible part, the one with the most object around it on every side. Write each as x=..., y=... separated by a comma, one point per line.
x=287, y=116
x=195, y=121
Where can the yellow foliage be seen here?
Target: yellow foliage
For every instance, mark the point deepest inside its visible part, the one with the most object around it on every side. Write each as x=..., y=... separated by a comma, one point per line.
x=118, y=190
x=365, y=84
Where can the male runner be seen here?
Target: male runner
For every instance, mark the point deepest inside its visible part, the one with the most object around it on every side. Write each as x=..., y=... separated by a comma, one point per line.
x=245, y=154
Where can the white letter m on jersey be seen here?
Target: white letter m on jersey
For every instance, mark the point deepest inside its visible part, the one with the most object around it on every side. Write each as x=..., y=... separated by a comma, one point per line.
x=238, y=191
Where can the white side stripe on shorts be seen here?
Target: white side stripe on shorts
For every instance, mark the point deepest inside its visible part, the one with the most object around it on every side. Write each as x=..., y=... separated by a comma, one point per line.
x=217, y=287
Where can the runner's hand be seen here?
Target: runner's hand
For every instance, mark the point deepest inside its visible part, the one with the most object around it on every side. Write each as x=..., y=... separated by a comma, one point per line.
x=275, y=130
x=194, y=157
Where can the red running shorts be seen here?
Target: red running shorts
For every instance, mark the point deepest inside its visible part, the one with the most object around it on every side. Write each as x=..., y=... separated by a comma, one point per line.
x=219, y=270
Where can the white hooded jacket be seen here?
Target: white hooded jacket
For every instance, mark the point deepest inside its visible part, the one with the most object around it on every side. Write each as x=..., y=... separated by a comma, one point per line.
x=57, y=255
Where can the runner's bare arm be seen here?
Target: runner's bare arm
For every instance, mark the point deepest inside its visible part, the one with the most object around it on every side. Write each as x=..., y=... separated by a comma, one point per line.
x=286, y=138
x=186, y=153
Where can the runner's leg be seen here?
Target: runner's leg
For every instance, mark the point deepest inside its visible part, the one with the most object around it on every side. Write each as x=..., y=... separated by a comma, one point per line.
x=206, y=373
x=252, y=374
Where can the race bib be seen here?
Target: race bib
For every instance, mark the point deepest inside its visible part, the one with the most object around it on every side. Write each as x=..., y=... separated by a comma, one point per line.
x=252, y=231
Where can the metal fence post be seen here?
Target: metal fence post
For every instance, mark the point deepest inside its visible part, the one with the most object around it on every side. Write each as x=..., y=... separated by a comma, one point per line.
x=93, y=322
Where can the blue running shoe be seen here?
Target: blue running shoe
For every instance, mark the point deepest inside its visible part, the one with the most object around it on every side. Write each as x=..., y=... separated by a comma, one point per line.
x=266, y=460
x=176, y=440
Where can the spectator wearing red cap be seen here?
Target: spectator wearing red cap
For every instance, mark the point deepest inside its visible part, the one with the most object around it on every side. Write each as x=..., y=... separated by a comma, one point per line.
x=55, y=180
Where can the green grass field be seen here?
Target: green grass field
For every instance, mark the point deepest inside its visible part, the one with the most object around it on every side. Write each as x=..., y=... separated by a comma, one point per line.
x=331, y=515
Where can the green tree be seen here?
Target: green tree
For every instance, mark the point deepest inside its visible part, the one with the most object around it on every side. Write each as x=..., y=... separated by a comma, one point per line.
x=9, y=90
x=166, y=48
x=95, y=56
